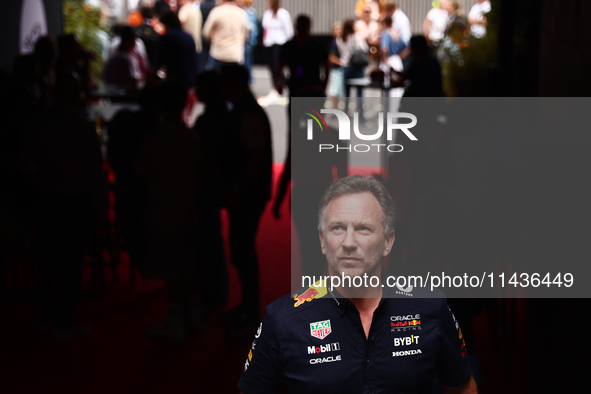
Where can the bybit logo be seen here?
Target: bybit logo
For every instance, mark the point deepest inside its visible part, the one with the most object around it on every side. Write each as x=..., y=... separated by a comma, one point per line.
x=345, y=130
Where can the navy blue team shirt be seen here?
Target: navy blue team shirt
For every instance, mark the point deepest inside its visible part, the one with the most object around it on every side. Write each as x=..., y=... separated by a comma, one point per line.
x=313, y=342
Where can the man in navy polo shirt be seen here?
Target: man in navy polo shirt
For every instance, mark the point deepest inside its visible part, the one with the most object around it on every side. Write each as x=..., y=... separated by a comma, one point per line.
x=367, y=339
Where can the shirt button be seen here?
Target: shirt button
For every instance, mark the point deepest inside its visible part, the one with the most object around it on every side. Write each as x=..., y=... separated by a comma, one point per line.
x=373, y=337
x=368, y=360
x=357, y=328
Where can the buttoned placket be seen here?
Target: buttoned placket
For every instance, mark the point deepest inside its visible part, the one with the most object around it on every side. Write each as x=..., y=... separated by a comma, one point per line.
x=368, y=344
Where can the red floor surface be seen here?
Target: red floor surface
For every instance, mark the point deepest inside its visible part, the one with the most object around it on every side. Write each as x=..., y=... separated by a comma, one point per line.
x=118, y=358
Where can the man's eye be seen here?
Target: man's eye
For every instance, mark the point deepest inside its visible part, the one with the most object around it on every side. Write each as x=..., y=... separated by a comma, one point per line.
x=337, y=228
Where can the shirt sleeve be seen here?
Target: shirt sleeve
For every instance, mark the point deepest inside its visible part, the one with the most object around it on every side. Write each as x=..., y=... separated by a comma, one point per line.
x=288, y=24
x=208, y=26
x=405, y=30
x=265, y=20
x=262, y=369
x=453, y=367
x=385, y=41
x=431, y=14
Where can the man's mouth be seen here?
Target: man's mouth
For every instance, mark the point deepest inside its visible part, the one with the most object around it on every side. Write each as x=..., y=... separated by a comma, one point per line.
x=349, y=260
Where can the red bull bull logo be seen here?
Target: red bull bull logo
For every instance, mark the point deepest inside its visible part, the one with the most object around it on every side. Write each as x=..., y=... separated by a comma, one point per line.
x=307, y=295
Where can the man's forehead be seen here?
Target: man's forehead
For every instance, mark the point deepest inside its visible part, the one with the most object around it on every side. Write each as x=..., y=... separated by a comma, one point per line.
x=354, y=204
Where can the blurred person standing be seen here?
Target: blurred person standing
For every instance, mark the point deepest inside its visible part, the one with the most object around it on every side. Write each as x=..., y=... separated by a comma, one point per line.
x=226, y=28
x=376, y=7
x=305, y=58
x=175, y=51
x=121, y=69
x=127, y=131
x=336, y=81
x=147, y=34
x=169, y=164
x=213, y=127
x=138, y=56
x=247, y=172
x=277, y=30
x=423, y=71
x=160, y=8
x=477, y=18
x=400, y=21
x=391, y=46
x=147, y=13
x=62, y=163
x=253, y=35
x=435, y=23
x=191, y=21
x=454, y=10
x=205, y=7
x=135, y=18
x=369, y=30
x=350, y=42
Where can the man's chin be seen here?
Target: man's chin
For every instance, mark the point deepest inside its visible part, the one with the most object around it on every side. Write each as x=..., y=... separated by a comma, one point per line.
x=351, y=272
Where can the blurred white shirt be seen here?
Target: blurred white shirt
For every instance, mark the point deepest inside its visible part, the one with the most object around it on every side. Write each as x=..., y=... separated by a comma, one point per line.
x=278, y=29
x=401, y=24
x=477, y=11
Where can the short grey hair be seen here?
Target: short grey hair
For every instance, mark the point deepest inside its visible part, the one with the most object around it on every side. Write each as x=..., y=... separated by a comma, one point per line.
x=356, y=184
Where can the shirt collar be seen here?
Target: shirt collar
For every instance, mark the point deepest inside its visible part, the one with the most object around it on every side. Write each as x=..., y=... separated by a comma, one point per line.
x=341, y=303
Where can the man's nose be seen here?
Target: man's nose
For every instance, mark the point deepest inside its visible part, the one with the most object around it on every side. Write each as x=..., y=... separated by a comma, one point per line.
x=350, y=241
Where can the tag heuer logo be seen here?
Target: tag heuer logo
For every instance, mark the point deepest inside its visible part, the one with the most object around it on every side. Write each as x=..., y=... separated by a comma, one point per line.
x=320, y=329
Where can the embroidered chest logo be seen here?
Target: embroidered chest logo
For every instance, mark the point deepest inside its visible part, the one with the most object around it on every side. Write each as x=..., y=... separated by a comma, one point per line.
x=320, y=329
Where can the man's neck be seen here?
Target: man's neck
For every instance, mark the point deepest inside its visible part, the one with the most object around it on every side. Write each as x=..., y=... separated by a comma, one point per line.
x=365, y=298
x=366, y=301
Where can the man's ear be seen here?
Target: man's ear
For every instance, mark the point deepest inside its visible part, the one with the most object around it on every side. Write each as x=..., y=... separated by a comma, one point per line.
x=388, y=242
x=322, y=246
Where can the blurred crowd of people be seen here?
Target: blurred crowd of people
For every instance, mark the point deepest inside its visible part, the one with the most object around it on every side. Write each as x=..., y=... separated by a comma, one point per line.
x=172, y=180
x=381, y=36
x=177, y=40
x=227, y=32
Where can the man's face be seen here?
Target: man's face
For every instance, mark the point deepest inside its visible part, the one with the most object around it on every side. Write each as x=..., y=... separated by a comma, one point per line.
x=445, y=5
x=353, y=239
x=366, y=16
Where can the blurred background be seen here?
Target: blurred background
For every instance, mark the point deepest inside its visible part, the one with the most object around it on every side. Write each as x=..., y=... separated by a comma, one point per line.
x=119, y=268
